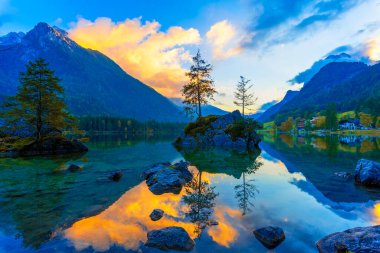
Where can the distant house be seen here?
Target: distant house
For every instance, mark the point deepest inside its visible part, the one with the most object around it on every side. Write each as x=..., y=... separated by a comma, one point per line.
x=313, y=121
x=350, y=124
x=300, y=124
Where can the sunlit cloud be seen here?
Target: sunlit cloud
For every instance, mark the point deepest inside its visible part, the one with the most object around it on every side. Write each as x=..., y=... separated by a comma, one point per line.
x=373, y=50
x=224, y=39
x=155, y=57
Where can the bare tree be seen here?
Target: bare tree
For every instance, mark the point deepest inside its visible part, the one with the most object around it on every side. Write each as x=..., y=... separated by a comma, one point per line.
x=243, y=96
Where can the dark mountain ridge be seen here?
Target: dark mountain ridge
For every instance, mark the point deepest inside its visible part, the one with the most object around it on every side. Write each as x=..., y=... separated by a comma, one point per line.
x=290, y=94
x=94, y=84
x=350, y=85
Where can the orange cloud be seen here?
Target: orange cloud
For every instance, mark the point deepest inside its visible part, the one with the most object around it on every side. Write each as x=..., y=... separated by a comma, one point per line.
x=142, y=50
x=224, y=40
x=373, y=50
x=376, y=214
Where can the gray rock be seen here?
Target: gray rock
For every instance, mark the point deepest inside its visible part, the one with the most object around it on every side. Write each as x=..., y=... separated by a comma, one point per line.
x=164, y=178
x=270, y=236
x=189, y=141
x=221, y=140
x=225, y=120
x=367, y=173
x=156, y=214
x=358, y=240
x=170, y=238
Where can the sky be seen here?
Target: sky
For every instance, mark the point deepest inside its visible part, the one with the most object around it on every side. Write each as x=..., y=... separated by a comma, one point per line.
x=268, y=42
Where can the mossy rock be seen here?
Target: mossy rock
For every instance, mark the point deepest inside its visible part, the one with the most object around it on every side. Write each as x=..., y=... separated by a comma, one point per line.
x=200, y=126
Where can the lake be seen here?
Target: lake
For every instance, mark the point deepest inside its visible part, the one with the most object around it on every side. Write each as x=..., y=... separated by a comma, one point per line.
x=290, y=183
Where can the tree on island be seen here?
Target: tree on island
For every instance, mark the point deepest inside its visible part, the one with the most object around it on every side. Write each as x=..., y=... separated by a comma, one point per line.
x=199, y=90
x=38, y=108
x=243, y=96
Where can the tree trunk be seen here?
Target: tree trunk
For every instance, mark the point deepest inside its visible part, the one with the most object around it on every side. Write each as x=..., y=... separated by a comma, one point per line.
x=245, y=196
x=199, y=103
x=39, y=115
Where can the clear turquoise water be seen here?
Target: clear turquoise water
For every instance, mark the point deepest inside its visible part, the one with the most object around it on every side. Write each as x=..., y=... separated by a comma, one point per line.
x=289, y=183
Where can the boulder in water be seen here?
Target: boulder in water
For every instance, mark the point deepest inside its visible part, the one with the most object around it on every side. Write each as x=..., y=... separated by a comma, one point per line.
x=116, y=176
x=156, y=214
x=165, y=178
x=367, y=173
x=170, y=238
x=358, y=240
x=270, y=236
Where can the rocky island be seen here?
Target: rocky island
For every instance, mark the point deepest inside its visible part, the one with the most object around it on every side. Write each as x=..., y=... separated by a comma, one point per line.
x=57, y=145
x=227, y=131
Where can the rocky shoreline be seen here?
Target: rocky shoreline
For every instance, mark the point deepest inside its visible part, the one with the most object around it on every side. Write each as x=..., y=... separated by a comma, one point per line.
x=49, y=146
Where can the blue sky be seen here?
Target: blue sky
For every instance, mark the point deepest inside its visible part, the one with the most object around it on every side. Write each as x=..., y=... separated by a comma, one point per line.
x=269, y=42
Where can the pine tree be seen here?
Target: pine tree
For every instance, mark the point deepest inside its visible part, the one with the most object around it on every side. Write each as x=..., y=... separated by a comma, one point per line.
x=331, y=117
x=199, y=90
x=38, y=108
x=243, y=96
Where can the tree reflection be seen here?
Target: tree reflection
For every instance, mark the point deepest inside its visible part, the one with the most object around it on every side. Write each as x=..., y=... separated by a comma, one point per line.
x=245, y=192
x=200, y=198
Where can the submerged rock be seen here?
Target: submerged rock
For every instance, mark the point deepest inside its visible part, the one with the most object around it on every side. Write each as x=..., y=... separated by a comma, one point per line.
x=53, y=146
x=163, y=178
x=367, y=173
x=73, y=168
x=270, y=236
x=156, y=214
x=170, y=238
x=343, y=174
x=358, y=240
x=116, y=176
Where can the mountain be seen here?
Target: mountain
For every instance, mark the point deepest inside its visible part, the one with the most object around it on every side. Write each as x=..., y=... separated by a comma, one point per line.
x=264, y=117
x=206, y=109
x=350, y=85
x=306, y=75
x=94, y=84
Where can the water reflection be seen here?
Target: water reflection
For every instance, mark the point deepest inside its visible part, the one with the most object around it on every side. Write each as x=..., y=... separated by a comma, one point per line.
x=130, y=216
x=319, y=158
x=38, y=195
x=291, y=184
x=200, y=198
x=246, y=191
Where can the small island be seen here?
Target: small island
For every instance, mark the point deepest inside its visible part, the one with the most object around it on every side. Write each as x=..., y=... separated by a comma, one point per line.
x=232, y=130
x=228, y=131
x=35, y=121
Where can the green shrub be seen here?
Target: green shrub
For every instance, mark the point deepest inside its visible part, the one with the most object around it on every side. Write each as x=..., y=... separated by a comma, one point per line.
x=242, y=129
x=200, y=126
